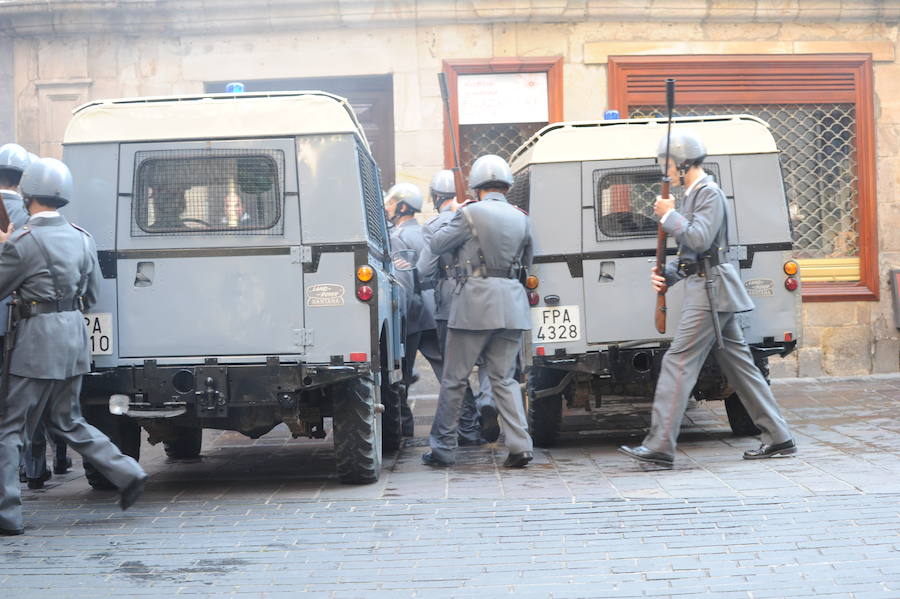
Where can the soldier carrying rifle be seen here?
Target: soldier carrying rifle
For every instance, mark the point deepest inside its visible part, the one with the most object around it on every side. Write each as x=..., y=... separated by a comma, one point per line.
x=713, y=296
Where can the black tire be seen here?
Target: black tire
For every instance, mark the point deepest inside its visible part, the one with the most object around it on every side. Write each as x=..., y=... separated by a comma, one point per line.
x=545, y=413
x=738, y=418
x=186, y=445
x=392, y=423
x=357, y=431
x=124, y=432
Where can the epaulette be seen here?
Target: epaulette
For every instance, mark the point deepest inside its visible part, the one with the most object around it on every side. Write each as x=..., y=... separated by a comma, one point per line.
x=469, y=201
x=522, y=210
x=80, y=229
x=19, y=233
x=432, y=219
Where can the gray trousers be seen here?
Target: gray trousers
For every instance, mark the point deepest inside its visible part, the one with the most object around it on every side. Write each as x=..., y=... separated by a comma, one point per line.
x=681, y=365
x=427, y=343
x=499, y=349
x=469, y=425
x=25, y=404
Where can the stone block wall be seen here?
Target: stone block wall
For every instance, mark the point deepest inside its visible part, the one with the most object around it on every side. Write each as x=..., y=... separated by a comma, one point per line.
x=119, y=49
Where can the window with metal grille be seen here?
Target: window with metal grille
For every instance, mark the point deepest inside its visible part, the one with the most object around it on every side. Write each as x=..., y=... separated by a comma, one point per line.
x=624, y=197
x=520, y=193
x=372, y=198
x=820, y=110
x=208, y=192
x=501, y=139
x=819, y=164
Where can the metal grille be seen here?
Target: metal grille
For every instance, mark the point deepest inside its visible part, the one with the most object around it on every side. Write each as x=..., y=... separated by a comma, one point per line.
x=204, y=192
x=520, y=193
x=817, y=143
x=372, y=197
x=501, y=139
x=624, y=197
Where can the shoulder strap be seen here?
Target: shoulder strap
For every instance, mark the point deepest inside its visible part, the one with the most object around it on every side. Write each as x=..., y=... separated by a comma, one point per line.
x=474, y=230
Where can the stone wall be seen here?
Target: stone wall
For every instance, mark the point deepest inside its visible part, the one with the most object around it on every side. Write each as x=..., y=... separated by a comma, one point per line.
x=167, y=47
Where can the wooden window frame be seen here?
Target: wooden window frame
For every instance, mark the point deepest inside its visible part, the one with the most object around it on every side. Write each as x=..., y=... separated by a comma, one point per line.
x=790, y=79
x=552, y=65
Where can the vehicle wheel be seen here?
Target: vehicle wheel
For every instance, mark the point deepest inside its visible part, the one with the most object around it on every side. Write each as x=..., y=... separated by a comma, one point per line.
x=186, y=445
x=392, y=425
x=357, y=431
x=738, y=418
x=545, y=413
x=121, y=430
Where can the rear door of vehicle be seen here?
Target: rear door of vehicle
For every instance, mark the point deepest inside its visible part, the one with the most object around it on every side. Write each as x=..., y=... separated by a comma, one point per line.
x=619, y=244
x=209, y=261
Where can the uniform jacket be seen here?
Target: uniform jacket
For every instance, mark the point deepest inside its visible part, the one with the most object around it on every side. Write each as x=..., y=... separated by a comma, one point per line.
x=15, y=208
x=434, y=268
x=55, y=345
x=699, y=226
x=504, y=236
x=420, y=307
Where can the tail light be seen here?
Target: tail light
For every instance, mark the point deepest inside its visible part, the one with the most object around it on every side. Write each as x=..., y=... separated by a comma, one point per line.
x=531, y=282
x=539, y=350
x=365, y=273
x=533, y=298
x=364, y=292
x=791, y=284
x=358, y=357
x=791, y=267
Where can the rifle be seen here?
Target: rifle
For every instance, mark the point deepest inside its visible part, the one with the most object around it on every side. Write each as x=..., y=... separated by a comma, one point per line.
x=457, y=168
x=4, y=217
x=660, y=312
x=9, y=342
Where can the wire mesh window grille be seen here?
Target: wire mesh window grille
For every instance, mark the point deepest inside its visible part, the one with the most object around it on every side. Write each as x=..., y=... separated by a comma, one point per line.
x=501, y=139
x=818, y=157
x=372, y=199
x=520, y=193
x=624, y=197
x=208, y=192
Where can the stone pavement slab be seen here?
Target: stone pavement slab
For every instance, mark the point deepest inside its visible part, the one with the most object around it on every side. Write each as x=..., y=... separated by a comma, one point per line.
x=267, y=518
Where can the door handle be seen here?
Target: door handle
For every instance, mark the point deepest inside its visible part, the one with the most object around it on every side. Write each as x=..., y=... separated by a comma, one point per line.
x=143, y=276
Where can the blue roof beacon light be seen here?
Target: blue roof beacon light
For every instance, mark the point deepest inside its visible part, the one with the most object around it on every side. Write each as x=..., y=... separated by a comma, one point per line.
x=235, y=87
x=611, y=115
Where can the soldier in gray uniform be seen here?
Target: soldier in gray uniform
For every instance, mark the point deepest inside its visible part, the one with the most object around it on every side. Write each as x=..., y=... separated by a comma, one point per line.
x=14, y=159
x=402, y=202
x=701, y=230
x=434, y=272
x=489, y=312
x=52, y=266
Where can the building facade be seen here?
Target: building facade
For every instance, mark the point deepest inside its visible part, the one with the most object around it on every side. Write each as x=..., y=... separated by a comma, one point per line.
x=823, y=73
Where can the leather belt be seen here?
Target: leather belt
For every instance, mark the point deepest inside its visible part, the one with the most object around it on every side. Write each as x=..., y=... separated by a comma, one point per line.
x=27, y=309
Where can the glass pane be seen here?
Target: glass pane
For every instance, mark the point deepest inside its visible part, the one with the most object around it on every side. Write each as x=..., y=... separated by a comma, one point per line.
x=180, y=192
x=817, y=144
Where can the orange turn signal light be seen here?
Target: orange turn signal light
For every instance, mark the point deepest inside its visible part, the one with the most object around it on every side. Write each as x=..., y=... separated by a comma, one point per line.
x=531, y=282
x=365, y=273
x=791, y=267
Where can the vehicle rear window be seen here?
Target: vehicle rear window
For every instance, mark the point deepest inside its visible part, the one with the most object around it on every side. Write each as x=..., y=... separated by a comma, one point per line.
x=624, y=197
x=221, y=192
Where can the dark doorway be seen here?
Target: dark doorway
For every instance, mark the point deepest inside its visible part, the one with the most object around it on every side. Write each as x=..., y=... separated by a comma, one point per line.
x=372, y=97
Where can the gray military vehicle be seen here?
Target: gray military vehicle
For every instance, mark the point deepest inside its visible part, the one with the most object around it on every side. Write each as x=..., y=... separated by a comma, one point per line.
x=590, y=188
x=247, y=279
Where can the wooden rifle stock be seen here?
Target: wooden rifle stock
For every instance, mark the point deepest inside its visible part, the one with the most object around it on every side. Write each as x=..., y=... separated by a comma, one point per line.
x=660, y=313
x=4, y=217
x=457, y=167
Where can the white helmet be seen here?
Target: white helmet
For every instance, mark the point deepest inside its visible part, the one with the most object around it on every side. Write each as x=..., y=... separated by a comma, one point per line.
x=14, y=157
x=685, y=148
x=489, y=170
x=49, y=181
x=406, y=193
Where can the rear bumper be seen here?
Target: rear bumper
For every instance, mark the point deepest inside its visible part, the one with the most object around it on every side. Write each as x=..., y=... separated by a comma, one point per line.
x=212, y=389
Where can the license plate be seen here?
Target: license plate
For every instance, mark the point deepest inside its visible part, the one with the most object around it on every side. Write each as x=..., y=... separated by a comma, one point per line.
x=100, y=329
x=555, y=325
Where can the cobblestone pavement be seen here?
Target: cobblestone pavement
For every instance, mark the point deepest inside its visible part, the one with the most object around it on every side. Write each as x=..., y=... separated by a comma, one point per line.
x=267, y=518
